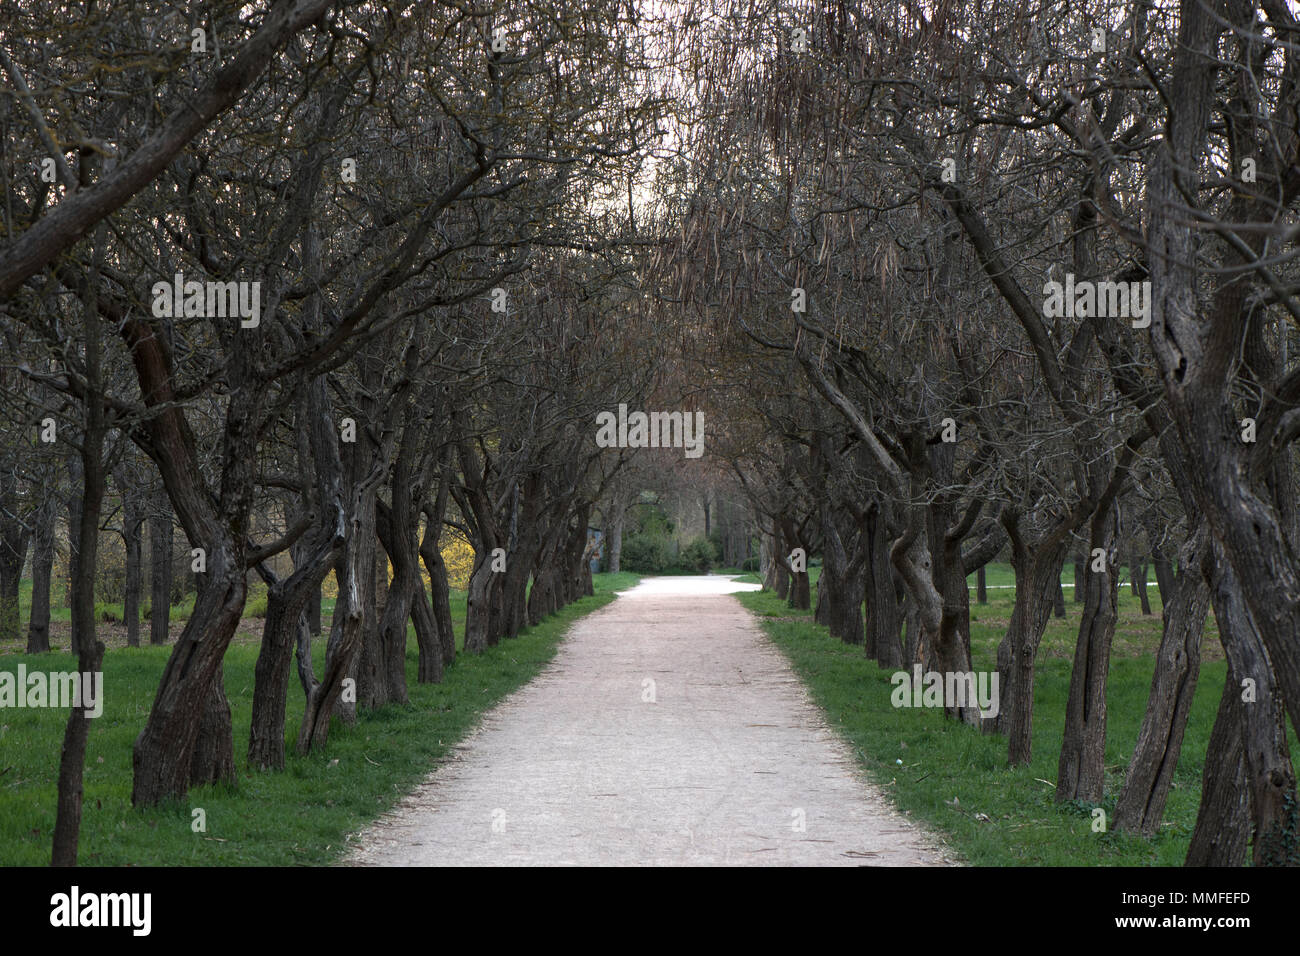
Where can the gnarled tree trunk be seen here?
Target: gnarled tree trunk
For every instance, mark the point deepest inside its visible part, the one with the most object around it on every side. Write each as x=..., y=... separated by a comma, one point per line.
x=1150, y=775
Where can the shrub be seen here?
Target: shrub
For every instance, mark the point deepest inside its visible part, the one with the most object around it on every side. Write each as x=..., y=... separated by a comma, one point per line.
x=719, y=546
x=112, y=613
x=647, y=519
x=645, y=553
x=698, y=556
x=458, y=556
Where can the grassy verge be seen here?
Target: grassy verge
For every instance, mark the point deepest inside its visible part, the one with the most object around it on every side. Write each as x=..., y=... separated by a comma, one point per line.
x=956, y=780
x=301, y=815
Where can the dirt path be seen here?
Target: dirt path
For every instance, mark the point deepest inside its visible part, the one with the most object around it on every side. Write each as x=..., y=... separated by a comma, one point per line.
x=668, y=730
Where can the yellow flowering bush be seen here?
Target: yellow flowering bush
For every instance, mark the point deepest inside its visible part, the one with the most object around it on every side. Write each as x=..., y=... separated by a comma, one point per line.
x=456, y=552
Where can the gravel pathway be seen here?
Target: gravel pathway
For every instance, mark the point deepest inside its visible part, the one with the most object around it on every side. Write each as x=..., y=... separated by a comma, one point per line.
x=667, y=731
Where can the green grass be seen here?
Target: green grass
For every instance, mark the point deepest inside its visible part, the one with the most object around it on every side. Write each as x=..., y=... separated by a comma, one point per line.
x=942, y=762
x=301, y=815
x=109, y=611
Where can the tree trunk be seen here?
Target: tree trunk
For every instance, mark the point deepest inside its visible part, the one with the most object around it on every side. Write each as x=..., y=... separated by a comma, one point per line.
x=884, y=617
x=372, y=679
x=14, y=539
x=280, y=634
x=214, y=746
x=340, y=654
x=132, y=525
x=525, y=539
x=287, y=627
x=781, y=561
x=1223, y=820
x=766, y=561
x=355, y=575
x=67, y=820
x=981, y=588
x=929, y=560
x=821, y=606
x=300, y=554
x=1164, y=575
x=800, y=597
x=478, y=604
x=840, y=586
x=914, y=649
x=616, y=540
x=38, y=626
x=1081, y=770
x=431, y=664
x=75, y=486
x=392, y=637
x=1139, y=584
x=843, y=611
x=539, y=596
x=182, y=714
x=1036, y=565
x=398, y=528
x=160, y=570
x=1141, y=803
x=1270, y=776
x=437, y=568
x=72, y=760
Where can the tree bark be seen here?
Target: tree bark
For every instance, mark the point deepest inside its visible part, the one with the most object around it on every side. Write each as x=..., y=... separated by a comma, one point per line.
x=132, y=524
x=1164, y=575
x=478, y=604
x=75, y=486
x=1138, y=573
x=914, y=648
x=280, y=635
x=38, y=625
x=431, y=556
x=182, y=715
x=1081, y=770
x=67, y=820
x=160, y=572
x=884, y=616
x=1270, y=776
x=287, y=624
x=1141, y=803
x=15, y=536
x=780, y=561
x=616, y=539
x=372, y=681
x=1223, y=820
x=213, y=760
x=355, y=574
x=840, y=586
x=1036, y=565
